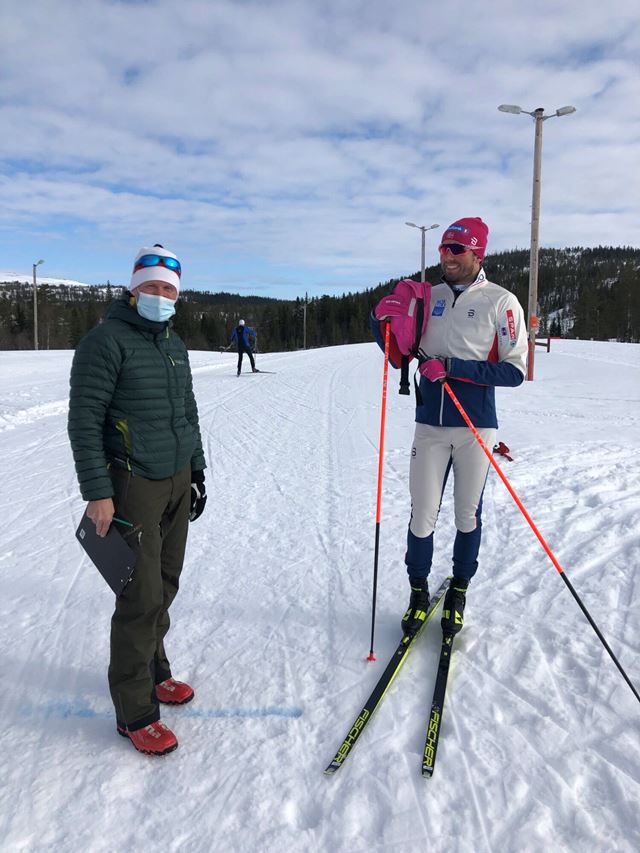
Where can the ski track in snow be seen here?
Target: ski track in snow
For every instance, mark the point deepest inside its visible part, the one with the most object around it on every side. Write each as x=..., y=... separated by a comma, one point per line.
x=540, y=746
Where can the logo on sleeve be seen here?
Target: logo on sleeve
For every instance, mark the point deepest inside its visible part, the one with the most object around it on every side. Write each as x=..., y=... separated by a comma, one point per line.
x=511, y=324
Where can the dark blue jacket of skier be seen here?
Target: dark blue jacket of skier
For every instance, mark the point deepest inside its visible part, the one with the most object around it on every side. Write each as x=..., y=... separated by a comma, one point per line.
x=241, y=337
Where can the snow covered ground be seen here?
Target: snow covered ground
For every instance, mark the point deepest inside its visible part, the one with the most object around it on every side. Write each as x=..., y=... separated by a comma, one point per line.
x=540, y=748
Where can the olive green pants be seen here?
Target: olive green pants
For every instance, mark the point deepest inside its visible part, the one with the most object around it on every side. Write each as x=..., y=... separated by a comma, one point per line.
x=159, y=509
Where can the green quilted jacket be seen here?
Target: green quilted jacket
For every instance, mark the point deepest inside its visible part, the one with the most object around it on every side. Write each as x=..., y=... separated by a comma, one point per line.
x=131, y=403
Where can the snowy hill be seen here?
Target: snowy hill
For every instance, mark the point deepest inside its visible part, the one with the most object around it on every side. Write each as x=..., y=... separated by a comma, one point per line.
x=22, y=278
x=540, y=746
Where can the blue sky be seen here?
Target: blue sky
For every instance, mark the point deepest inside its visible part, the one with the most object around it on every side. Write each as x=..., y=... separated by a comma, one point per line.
x=279, y=147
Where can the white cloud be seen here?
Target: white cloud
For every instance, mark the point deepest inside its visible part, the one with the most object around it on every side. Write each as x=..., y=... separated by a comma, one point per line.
x=299, y=137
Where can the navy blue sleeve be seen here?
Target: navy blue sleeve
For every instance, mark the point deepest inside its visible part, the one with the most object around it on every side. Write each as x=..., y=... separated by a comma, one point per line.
x=374, y=325
x=499, y=373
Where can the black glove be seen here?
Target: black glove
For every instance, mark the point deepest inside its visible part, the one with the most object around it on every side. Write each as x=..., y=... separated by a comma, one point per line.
x=198, y=495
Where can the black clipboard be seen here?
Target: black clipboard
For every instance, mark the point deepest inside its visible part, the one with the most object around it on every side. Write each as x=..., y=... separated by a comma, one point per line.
x=110, y=554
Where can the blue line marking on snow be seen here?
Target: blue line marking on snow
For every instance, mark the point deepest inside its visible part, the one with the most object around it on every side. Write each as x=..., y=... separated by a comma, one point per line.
x=67, y=710
x=244, y=712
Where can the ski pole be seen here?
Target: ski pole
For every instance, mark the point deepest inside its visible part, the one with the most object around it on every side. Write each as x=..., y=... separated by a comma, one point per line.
x=540, y=537
x=383, y=414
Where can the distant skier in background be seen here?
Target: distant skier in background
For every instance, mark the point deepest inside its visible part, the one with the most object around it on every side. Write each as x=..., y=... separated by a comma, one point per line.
x=476, y=339
x=241, y=337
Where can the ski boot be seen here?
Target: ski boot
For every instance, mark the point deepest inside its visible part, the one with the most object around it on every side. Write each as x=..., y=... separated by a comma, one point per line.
x=416, y=613
x=453, y=607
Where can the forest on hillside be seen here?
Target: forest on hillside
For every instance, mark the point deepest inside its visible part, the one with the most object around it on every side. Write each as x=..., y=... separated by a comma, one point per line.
x=582, y=293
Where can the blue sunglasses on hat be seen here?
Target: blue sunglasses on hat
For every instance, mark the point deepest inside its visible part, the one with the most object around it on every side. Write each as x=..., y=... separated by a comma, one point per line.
x=172, y=264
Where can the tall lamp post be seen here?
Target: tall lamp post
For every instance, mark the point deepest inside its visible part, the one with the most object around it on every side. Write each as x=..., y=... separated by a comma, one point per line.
x=304, y=321
x=424, y=229
x=532, y=311
x=35, y=306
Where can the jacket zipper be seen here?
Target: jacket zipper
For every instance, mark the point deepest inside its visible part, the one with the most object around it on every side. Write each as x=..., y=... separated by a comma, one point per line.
x=441, y=416
x=166, y=357
x=456, y=294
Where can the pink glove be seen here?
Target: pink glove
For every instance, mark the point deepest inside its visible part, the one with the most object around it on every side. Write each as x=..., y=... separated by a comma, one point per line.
x=390, y=306
x=433, y=369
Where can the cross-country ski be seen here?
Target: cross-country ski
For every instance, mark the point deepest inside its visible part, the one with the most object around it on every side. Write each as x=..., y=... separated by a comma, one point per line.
x=384, y=683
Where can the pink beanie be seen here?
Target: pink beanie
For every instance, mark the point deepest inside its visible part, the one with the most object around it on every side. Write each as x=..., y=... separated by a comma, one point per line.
x=471, y=232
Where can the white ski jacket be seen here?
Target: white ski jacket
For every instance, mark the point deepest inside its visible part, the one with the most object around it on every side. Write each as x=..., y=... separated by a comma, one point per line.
x=481, y=333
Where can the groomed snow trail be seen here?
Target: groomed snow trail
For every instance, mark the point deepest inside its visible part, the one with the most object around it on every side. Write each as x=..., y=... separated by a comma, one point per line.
x=540, y=747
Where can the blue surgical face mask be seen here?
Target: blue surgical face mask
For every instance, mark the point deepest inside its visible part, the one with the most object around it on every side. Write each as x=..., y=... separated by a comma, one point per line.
x=156, y=308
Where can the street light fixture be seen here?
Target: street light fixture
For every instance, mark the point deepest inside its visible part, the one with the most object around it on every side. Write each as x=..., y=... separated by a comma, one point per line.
x=35, y=306
x=424, y=229
x=532, y=319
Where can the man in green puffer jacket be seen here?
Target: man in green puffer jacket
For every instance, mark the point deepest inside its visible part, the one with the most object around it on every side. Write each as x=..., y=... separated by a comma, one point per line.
x=134, y=432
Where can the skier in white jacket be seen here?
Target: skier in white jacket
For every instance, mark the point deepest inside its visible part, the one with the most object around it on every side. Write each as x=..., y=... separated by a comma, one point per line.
x=476, y=339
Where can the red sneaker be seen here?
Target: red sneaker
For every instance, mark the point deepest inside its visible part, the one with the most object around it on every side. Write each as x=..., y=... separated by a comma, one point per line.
x=172, y=692
x=155, y=739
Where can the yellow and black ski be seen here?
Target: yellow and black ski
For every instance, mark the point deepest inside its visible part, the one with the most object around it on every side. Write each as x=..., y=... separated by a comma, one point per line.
x=437, y=706
x=383, y=685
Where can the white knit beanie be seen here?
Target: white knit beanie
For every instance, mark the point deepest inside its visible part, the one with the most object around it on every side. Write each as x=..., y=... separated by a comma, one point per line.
x=155, y=273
